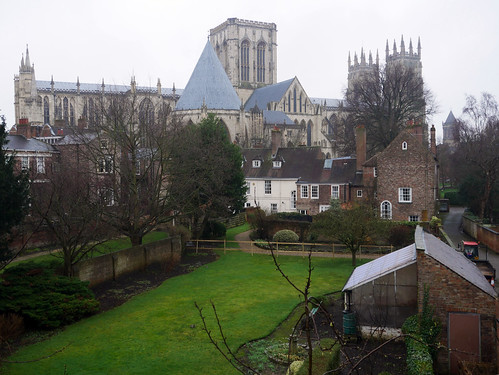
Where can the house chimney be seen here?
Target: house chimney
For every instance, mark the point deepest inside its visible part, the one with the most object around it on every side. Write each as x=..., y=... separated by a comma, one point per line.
x=416, y=130
x=433, y=143
x=360, y=141
x=276, y=140
x=23, y=128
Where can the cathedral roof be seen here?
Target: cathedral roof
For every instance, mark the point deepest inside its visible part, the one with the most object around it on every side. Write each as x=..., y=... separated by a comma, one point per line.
x=276, y=117
x=450, y=119
x=97, y=88
x=264, y=95
x=209, y=85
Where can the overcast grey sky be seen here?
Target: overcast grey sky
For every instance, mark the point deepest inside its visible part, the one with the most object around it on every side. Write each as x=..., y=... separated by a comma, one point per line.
x=151, y=39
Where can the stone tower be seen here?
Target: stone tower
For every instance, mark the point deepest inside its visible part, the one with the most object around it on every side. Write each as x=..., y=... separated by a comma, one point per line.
x=26, y=100
x=248, y=53
x=410, y=59
x=359, y=70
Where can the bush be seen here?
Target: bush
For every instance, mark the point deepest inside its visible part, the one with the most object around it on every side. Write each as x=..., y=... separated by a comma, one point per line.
x=214, y=229
x=401, y=235
x=11, y=327
x=285, y=235
x=43, y=299
x=454, y=198
x=325, y=357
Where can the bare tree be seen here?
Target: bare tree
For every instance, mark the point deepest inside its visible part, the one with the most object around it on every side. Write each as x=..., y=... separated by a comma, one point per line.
x=68, y=207
x=386, y=101
x=478, y=133
x=129, y=151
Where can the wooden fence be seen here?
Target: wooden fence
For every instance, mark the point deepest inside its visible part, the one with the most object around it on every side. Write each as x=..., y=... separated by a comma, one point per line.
x=291, y=248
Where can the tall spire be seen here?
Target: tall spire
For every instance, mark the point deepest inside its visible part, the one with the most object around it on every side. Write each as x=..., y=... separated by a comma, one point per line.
x=419, y=47
x=394, y=48
x=377, y=58
x=402, y=46
x=362, y=57
x=411, y=52
x=28, y=64
x=22, y=62
x=355, y=59
x=387, y=50
x=349, y=60
x=370, y=58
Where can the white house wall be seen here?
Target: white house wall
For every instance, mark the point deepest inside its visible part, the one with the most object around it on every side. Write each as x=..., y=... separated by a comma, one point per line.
x=281, y=191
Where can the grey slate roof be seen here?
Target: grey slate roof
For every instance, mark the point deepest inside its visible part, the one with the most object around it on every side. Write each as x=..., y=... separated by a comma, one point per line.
x=95, y=88
x=264, y=95
x=297, y=162
x=335, y=103
x=450, y=119
x=21, y=143
x=332, y=171
x=381, y=267
x=277, y=118
x=209, y=85
x=453, y=260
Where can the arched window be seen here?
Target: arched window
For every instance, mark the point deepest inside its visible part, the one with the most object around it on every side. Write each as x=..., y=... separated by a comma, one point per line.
x=58, y=109
x=309, y=134
x=146, y=120
x=300, y=104
x=294, y=100
x=289, y=102
x=71, y=115
x=386, y=210
x=245, y=61
x=260, y=62
x=65, y=106
x=46, y=110
x=404, y=145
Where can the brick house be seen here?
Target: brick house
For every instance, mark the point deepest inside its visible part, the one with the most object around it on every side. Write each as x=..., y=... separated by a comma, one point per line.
x=384, y=292
x=403, y=177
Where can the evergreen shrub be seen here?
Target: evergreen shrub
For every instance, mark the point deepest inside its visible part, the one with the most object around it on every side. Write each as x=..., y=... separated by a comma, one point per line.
x=285, y=235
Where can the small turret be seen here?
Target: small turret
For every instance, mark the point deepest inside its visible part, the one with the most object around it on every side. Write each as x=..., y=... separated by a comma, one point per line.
x=402, y=46
x=419, y=47
x=370, y=58
x=158, y=86
x=103, y=86
x=133, y=85
x=349, y=60
x=78, y=85
x=411, y=52
x=362, y=57
x=387, y=50
x=52, y=84
x=394, y=48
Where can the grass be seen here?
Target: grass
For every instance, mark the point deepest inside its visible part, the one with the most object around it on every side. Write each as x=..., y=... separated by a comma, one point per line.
x=160, y=331
x=230, y=236
x=54, y=259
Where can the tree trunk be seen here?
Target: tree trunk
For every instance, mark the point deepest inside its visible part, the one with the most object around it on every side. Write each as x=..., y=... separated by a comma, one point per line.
x=136, y=239
x=354, y=257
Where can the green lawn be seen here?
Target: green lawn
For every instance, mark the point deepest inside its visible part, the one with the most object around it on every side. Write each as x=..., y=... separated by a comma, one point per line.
x=153, y=333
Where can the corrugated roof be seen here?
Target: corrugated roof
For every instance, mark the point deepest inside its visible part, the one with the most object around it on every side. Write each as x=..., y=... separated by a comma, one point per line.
x=20, y=143
x=381, y=267
x=209, y=85
x=97, y=88
x=455, y=261
x=264, y=95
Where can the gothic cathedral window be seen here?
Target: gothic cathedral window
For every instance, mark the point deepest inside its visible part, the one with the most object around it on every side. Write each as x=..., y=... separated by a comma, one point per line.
x=260, y=63
x=46, y=111
x=245, y=61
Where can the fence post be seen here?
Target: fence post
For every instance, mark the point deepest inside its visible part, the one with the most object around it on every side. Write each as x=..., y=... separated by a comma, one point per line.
x=225, y=243
x=303, y=250
x=197, y=245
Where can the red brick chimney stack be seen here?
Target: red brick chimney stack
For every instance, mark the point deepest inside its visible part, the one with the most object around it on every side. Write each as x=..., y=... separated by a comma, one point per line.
x=433, y=142
x=361, y=143
x=276, y=140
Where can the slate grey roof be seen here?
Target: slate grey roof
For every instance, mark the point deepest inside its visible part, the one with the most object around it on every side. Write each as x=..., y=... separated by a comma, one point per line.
x=277, y=118
x=332, y=171
x=381, y=267
x=297, y=162
x=264, y=95
x=77, y=139
x=95, y=88
x=335, y=103
x=21, y=143
x=453, y=260
x=450, y=119
x=209, y=85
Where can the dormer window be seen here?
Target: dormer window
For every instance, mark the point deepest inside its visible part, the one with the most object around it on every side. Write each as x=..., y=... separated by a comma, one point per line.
x=257, y=163
x=277, y=164
x=404, y=145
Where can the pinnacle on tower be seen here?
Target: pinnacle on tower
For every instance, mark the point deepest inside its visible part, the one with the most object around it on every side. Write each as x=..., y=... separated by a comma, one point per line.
x=28, y=64
x=355, y=59
x=394, y=48
x=402, y=46
x=22, y=62
x=349, y=60
x=377, y=58
x=419, y=47
x=387, y=50
x=411, y=52
x=370, y=58
x=362, y=57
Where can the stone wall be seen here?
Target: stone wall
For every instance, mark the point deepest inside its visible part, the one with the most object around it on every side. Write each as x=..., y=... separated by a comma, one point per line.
x=449, y=292
x=113, y=265
x=486, y=236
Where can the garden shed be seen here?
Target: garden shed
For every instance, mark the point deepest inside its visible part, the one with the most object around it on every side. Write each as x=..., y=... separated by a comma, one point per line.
x=383, y=293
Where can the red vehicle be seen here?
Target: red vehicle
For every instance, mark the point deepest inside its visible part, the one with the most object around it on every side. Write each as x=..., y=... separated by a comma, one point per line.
x=469, y=249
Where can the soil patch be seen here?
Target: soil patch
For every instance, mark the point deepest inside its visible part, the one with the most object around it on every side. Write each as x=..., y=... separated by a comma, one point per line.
x=116, y=292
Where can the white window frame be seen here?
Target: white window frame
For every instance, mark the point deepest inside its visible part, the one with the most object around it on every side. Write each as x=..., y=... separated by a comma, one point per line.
x=107, y=196
x=273, y=208
x=247, y=204
x=268, y=187
x=335, y=191
x=414, y=218
x=105, y=165
x=257, y=163
x=40, y=164
x=324, y=207
x=405, y=195
x=277, y=164
x=314, y=191
x=375, y=171
x=248, y=188
x=293, y=199
x=359, y=193
x=24, y=163
x=386, y=213
x=304, y=191
x=404, y=145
